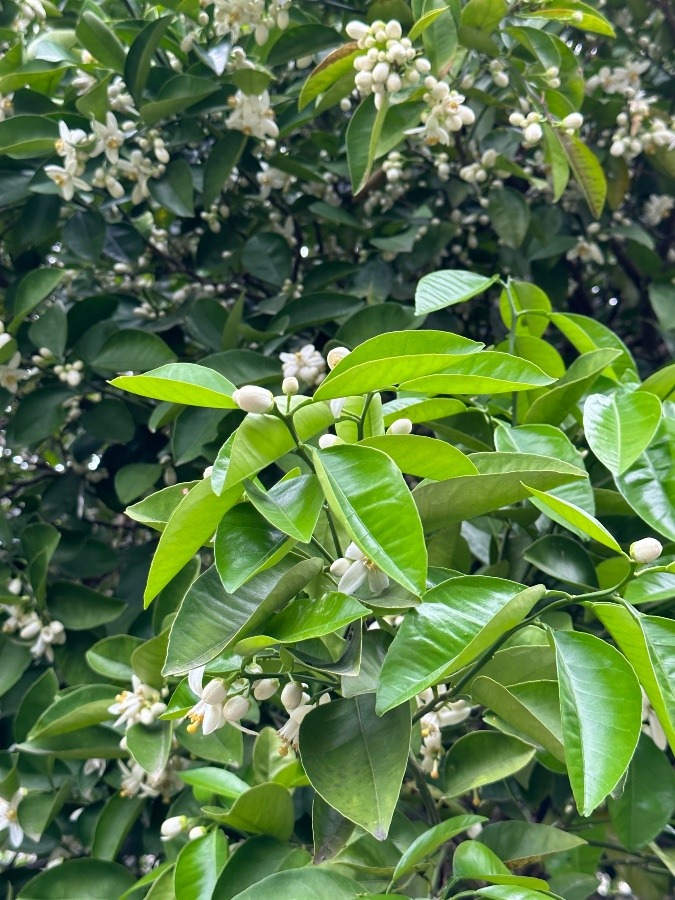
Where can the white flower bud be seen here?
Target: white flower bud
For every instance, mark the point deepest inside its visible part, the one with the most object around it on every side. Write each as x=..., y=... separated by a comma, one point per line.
x=517, y=119
x=265, y=688
x=393, y=30
x=236, y=708
x=73, y=378
x=336, y=355
x=328, y=440
x=381, y=73
x=533, y=133
x=215, y=692
x=501, y=79
x=400, y=426
x=394, y=83
x=290, y=386
x=172, y=827
x=291, y=696
x=646, y=550
x=14, y=586
x=357, y=30
x=253, y=399
x=196, y=832
x=575, y=120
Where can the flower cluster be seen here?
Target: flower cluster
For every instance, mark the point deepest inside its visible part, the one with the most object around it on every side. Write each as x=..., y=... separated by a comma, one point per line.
x=136, y=782
x=389, y=62
x=307, y=364
x=216, y=706
x=237, y=17
x=30, y=627
x=445, y=115
x=252, y=115
x=355, y=569
x=619, y=80
x=9, y=819
x=296, y=702
x=451, y=713
x=141, y=704
x=640, y=131
x=10, y=372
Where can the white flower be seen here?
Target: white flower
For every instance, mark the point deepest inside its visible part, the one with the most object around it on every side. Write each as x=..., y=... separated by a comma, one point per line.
x=586, y=251
x=432, y=722
x=214, y=709
x=253, y=399
x=651, y=725
x=646, y=550
x=6, y=106
x=252, y=115
x=533, y=133
x=11, y=374
x=8, y=817
x=355, y=568
x=135, y=780
x=45, y=635
x=94, y=766
x=445, y=113
x=291, y=729
x=173, y=826
x=67, y=143
x=573, y=121
x=306, y=364
x=67, y=179
x=138, y=168
x=109, y=138
x=657, y=208
x=141, y=704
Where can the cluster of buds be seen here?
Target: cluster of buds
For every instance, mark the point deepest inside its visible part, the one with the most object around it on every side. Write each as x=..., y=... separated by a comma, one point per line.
x=295, y=701
x=232, y=17
x=306, y=364
x=393, y=166
x=531, y=125
x=445, y=113
x=389, y=62
x=477, y=172
x=70, y=373
x=30, y=627
x=639, y=132
x=142, y=704
x=432, y=722
x=219, y=704
x=499, y=76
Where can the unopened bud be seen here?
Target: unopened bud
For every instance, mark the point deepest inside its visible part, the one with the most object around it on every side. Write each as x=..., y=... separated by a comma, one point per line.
x=290, y=386
x=291, y=696
x=172, y=827
x=400, y=426
x=236, y=708
x=646, y=550
x=196, y=832
x=336, y=355
x=266, y=688
x=253, y=399
x=328, y=440
x=574, y=120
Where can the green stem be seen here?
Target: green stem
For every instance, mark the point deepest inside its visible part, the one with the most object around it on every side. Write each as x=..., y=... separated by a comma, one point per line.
x=322, y=550
x=423, y=788
x=512, y=343
x=364, y=413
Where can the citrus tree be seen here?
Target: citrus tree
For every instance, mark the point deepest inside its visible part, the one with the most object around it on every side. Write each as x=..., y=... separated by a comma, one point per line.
x=338, y=517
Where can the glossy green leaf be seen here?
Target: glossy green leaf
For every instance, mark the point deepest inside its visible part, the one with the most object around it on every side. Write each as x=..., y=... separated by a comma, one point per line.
x=431, y=840
x=646, y=804
x=483, y=15
x=601, y=708
x=246, y=544
x=649, y=484
x=581, y=15
x=390, y=359
x=155, y=511
x=482, y=757
x=79, y=879
x=336, y=64
x=292, y=506
x=377, y=749
x=511, y=892
x=38, y=809
x=139, y=57
x=29, y=291
x=111, y=657
x=263, y=809
x=101, y=41
x=509, y=215
x=25, y=137
x=183, y=383
x=210, y=619
x=586, y=334
x=557, y=403
x=619, y=427
x=420, y=409
x=319, y=884
x=499, y=483
x=362, y=139
x=648, y=642
x=531, y=708
x=262, y=439
x=570, y=516
x=80, y=608
x=482, y=373
x=354, y=479
x=457, y=621
x=330, y=830
x=448, y=286
x=587, y=172
x=150, y=746
x=473, y=860
x=199, y=865
x=131, y=349
x=82, y=706
x=423, y=456
x=563, y=558
x=520, y=843
x=176, y=94
x=222, y=159
x=114, y=824
x=217, y=781
x=304, y=618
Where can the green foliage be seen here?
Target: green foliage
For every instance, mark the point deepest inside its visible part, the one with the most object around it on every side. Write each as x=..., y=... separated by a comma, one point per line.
x=332, y=561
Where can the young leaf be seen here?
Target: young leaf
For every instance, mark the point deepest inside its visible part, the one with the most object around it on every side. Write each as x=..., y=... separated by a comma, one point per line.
x=183, y=383
x=431, y=840
x=601, y=708
x=448, y=286
x=488, y=372
x=246, y=544
x=377, y=750
x=570, y=516
x=292, y=506
x=619, y=427
x=648, y=485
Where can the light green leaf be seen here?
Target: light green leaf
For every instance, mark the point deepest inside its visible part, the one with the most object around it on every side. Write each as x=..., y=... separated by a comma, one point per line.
x=448, y=286
x=246, y=544
x=586, y=334
x=150, y=746
x=620, y=427
x=521, y=843
x=601, y=709
x=216, y=781
x=25, y=137
x=389, y=359
x=483, y=15
x=431, y=840
x=499, y=483
x=423, y=456
x=457, y=621
x=377, y=750
x=191, y=525
x=354, y=479
x=319, y=884
x=199, y=865
x=556, y=160
x=420, y=409
x=83, y=879
x=483, y=373
x=292, y=506
x=559, y=401
x=581, y=15
x=183, y=383
x=263, y=809
x=482, y=757
x=648, y=642
x=570, y=516
x=333, y=67
x=304, y=618
x=156, y=510
x=474, y=861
